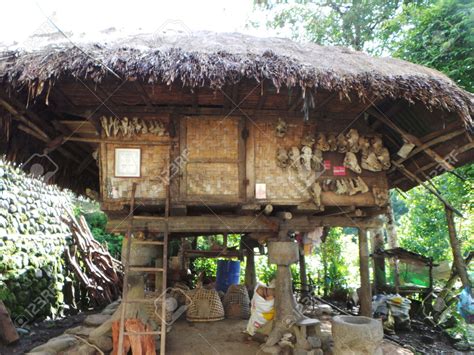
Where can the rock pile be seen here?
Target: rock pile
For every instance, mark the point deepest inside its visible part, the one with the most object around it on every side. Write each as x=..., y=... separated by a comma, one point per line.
x=32, y=240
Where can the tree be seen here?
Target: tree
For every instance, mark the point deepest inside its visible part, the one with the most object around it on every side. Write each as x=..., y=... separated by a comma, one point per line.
x=439, y=35
x=355, y=24
x=423, y=228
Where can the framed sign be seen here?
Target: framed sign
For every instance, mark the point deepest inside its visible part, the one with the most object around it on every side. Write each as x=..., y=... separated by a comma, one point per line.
x=260, y=191
x=127, y=162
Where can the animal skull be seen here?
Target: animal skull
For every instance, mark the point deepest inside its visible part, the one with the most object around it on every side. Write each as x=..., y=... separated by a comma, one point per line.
x=377, y=145
x=350, y=162
x=370, y=162
x=317, y=160
x=358, y=185
x=308, y=140
x=384, y=158
x=115, y=126
x=342, y=187
x=104, y=122
x=282, y=158
x=294, y=155
x=306, y=157
x=322, y=143
x=316, y=193
x=332, y=141
x=341, y=143
x=352, y=138
x=364, y=145
x=281, y=128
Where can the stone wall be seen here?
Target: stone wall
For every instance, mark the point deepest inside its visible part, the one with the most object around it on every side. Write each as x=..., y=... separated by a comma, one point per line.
x=32, y=241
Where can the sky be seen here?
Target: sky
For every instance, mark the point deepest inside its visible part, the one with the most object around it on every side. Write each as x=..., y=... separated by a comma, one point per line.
x=22, y=18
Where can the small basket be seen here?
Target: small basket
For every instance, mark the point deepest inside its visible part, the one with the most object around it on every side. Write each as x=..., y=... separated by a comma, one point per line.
x=236, y=302
x=205, y=306
x=153, y=310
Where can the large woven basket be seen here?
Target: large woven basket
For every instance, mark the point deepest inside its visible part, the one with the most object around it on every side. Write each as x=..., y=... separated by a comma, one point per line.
x=205, y=306
x=236, y=302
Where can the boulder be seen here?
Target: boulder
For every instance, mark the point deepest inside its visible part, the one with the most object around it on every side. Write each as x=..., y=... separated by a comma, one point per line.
x=57, y=344
x=95, y=320
x=103, y=342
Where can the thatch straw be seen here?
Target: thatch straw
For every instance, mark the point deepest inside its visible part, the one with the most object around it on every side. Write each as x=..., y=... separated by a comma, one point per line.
x=212, y=60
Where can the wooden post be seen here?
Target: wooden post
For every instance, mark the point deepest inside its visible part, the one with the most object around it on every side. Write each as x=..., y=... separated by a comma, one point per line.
x=303, y=276
x=250, y=274
x=378, y=260
x=365, y=291
x=456, y=249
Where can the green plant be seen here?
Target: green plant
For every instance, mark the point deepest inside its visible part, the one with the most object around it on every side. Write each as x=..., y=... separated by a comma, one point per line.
x=97, y=222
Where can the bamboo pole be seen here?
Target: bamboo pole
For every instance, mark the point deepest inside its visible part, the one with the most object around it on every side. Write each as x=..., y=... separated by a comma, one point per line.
x=365, y=290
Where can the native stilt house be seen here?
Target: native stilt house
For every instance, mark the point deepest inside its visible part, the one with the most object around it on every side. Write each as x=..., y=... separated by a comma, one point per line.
x=232, y=134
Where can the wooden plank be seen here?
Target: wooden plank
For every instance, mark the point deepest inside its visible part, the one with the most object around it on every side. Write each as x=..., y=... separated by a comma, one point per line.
x=428, y=144
x=239, y=224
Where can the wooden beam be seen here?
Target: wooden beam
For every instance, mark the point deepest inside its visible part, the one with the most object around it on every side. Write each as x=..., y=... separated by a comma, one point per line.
x=449, y=156
x=21, y=118
x=237, y=224
x=410, y=138
x=428, y=144
x=365, y=288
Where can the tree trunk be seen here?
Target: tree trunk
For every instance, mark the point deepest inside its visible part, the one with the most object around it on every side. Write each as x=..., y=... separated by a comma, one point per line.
x=250, y=274
x=303, y=276
x=456, y=249
x=378, y=260
x=365, y=290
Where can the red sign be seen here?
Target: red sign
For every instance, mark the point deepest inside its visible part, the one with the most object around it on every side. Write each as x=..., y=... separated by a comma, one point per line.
x=339, y=171
x=327, y=165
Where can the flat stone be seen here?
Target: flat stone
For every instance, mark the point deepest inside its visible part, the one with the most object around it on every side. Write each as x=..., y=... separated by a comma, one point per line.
x=307, y=352
x=80, y=330
x=42, y=353
x=57, y=344
x=314, y=342
x=94, y=320
x=275, y=349
x=103, y=342
x=83, y=349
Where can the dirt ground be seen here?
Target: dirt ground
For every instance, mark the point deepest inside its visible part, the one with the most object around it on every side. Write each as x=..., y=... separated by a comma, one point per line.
x=226, y=337
x=40, y=333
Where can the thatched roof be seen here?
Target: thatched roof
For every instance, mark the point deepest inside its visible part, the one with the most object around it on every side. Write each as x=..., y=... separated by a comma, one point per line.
x=213, y=60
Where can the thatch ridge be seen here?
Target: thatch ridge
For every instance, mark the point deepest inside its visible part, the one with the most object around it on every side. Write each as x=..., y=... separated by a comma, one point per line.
x=205, y=59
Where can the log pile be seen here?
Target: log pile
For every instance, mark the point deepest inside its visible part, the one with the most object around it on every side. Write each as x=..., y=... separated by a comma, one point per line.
x=101, y=274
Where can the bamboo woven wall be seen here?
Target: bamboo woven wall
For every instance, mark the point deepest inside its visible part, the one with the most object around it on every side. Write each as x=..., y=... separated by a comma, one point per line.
x=280, y=184
x=154, y=161
x=212, y=146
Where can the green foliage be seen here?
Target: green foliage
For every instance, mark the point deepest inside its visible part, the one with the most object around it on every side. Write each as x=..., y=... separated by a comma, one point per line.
x=97, y=222
x=334, y=266
x=355, y=24
x=423, y=228
x=439, y=35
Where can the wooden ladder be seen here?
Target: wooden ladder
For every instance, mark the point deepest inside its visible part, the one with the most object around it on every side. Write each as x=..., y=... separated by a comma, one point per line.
x=130, y=268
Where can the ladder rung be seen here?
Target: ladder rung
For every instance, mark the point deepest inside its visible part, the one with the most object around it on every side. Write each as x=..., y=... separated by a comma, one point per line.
x=156, y=332
x=145, y=269
x=152, y=242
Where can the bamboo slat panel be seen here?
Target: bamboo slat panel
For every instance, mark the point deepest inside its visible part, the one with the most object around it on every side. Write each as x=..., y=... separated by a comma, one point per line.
x=213, y=150
x=281, y=183
x=211, y=138
x=154, y=161
x=212, y=178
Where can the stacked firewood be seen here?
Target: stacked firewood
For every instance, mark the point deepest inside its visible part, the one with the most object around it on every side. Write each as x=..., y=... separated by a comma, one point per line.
x=95, y=268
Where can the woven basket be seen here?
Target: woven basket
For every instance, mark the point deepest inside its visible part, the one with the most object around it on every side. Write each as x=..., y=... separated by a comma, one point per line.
x=154, y=312
x=205, y=306
x=236, y=302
